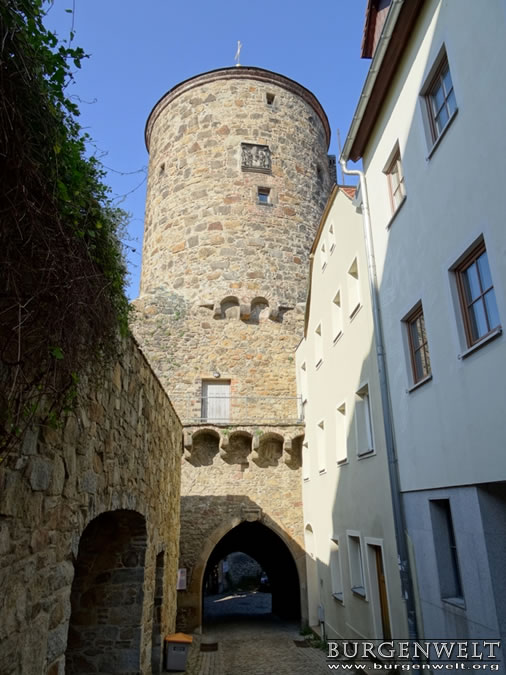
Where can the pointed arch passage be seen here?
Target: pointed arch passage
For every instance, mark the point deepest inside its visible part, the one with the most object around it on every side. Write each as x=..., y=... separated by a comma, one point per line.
x=107, y=596
x=263, y=545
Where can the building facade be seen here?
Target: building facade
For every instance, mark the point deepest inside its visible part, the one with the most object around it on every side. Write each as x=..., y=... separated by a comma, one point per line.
x=433, y=161
x=354, y=587
x=238, y=179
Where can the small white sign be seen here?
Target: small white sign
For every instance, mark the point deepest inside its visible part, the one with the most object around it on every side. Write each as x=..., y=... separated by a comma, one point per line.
x=181, y=579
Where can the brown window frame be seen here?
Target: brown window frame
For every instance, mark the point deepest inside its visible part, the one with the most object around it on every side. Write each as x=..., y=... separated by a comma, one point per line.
x=460, y=271
x=437, y=82
x=395, y=168
x=410, y=322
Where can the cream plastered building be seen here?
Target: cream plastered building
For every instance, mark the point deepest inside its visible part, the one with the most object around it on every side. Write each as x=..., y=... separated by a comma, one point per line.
x=354, y=586
x=429, y=129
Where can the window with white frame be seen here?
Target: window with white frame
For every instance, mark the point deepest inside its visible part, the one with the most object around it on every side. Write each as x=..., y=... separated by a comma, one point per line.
x=335, y=570
x=363, y=421
x=332, y=238
x=215, y=401
x=320, y=446
x=306, y=467
x=341, y=439
x=318, y=345
x=337, y=316
x=303, y=382
x=323, y=256
x=353, y=289
x=356, y=565
x=303, y=389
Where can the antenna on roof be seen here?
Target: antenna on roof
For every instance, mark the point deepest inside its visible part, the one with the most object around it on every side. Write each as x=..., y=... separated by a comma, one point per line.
x=238, y=53
x=340, y=151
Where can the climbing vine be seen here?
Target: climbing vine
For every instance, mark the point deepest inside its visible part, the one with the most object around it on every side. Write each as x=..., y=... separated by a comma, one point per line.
x=62, y=300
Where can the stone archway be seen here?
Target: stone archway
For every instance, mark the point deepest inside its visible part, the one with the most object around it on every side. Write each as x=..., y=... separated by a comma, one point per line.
x=269, y=542
x=107, y=596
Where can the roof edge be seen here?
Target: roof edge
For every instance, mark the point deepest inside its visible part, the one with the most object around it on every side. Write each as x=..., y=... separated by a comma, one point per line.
x=392, y=42
x=231, y=73
x=330, y=203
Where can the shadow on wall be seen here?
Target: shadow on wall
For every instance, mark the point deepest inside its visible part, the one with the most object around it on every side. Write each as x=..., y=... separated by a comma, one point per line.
x=213, y=527
x=107, y=595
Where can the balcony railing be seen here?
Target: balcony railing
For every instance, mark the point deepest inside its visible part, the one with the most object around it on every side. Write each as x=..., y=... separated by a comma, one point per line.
x=238, y=410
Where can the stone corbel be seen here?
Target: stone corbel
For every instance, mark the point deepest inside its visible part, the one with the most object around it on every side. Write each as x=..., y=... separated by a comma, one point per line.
x=187, y=444
x=255, y=446
x=245, y=312
x=273, y=313
x=224, y=444
x=217, y=310
x=251, y=513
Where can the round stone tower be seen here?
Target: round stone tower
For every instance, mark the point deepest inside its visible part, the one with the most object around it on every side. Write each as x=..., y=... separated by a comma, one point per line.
x=238, y=179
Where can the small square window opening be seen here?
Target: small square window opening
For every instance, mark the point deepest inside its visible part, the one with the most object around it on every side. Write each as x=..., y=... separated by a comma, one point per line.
x=264, y=195
x=270, y=98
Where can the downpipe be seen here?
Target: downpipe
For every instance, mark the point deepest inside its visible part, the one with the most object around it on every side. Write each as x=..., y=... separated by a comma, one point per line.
x=393, y=466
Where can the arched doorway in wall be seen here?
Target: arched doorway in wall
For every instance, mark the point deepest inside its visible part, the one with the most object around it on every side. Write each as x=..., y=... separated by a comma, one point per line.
x=274, y=559
x=107, y=596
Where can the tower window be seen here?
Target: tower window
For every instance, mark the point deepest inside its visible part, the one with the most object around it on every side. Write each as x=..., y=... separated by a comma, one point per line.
x=269, y=98
x=264, y=195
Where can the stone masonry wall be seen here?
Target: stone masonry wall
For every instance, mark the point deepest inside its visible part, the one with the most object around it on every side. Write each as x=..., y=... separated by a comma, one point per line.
x=223, y=275
x=120, y=451
x=186, y=346
x=206, y=235
x=216, y=498
x=224, y=279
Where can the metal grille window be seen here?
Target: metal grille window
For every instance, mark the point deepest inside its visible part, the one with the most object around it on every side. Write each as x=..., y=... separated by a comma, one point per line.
x=441, y=102
x=418, y=345
x=477, y=296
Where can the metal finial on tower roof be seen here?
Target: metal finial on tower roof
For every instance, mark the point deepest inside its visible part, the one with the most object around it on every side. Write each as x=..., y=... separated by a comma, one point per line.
x=238, y=53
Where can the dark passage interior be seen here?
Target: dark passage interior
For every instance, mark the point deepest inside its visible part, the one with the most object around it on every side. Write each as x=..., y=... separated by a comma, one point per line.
x=107, y=596
x=277, y=572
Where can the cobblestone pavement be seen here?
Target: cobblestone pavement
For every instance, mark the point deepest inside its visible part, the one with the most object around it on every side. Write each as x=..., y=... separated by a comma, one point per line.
x=253, y=643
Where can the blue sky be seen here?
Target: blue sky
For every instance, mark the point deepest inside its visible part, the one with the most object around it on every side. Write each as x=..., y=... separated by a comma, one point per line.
x=139, y=50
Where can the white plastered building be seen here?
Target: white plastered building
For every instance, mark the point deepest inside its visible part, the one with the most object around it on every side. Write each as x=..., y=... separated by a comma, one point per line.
x=430, y=129
x=354, y=588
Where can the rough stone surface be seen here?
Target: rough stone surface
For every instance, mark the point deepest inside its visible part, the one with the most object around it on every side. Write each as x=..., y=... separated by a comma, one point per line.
x=223, y=277
x=120, y=451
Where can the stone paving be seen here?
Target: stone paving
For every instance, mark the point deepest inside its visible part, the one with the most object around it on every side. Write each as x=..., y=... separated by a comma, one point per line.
x=251, y=641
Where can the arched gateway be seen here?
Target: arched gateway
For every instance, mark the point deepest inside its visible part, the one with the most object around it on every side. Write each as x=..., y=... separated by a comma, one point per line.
x=272, y=554
x=238, y=179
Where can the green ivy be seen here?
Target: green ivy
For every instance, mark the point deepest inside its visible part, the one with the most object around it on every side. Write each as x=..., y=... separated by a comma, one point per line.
x=60, y=233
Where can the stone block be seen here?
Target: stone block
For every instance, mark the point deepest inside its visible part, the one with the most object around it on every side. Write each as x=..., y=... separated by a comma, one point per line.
x=39, y=473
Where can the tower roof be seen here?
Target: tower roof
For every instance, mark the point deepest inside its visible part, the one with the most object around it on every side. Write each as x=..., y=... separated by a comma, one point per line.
x=237, y=73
